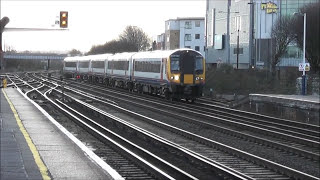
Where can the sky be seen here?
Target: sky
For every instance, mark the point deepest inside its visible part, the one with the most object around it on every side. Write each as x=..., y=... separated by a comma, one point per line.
x=90, y=22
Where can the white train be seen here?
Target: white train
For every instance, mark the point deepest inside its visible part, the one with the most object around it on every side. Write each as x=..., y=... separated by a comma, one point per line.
x=174, y=73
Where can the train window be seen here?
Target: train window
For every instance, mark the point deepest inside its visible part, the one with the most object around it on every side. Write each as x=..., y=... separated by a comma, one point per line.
x=199, y=65
x=174, y=64
x=147, y=66
x=118, y=65
x=83, y=64
x=70, y=64
x=98, y=64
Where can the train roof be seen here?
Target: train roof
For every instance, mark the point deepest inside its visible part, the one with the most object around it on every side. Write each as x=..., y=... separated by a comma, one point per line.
x=159, y=53
x=70, y=59
x=127, y=55
x=99, y=57
x=124, y=55
x=77, y=58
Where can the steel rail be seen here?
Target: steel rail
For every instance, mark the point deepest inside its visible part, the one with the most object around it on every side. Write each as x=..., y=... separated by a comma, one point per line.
x=291, y=172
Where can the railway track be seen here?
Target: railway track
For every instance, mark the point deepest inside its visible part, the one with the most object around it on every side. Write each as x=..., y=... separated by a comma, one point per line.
x=123, y=160
x=298, y=140
x=198, y=167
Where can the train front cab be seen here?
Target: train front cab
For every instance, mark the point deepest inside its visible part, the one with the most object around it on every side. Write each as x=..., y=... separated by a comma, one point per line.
x=186, y=73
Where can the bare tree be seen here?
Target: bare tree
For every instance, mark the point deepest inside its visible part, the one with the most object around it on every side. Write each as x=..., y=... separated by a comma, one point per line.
x=135, y=36
x=75, y=52
x=282, y=35
x=312, y=34
x=132, y=39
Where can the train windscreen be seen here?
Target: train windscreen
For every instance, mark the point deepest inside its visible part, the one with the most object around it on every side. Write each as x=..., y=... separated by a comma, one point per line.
x=186, y=62
x=175, y=64
x=199, y=65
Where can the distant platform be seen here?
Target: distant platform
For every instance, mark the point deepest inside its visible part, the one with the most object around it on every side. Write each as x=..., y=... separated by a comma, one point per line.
x=293, y=107
x=295, y=101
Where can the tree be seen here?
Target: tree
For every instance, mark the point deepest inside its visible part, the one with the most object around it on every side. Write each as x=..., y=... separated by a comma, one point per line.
x=132, y=39
x=135, y=36
x=312, y=34
x=74, y=52
x=282, y=35
x=114, y=46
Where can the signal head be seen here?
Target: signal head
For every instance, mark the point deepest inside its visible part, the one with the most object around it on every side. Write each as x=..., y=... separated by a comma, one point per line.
x=63, y=19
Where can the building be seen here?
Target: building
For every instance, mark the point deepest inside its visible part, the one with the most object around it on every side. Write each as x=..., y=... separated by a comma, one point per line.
x=217, y=50
x=254, y=19
x=161, y=42
x=185, y=33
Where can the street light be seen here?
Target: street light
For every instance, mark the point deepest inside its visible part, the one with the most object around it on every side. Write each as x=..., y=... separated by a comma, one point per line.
x=303, y=90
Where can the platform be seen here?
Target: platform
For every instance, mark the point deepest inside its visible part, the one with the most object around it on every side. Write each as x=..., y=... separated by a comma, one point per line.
x=293, y=107
x=34, y=147
x=298, y=101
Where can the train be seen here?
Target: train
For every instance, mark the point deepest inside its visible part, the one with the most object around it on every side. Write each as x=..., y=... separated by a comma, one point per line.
x=173, y=74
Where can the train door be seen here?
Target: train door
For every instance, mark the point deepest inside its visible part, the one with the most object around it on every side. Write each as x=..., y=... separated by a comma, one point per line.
x=187, y=67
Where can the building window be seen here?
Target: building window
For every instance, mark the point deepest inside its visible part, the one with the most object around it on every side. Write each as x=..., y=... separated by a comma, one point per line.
x=187, y=37
x=168, y=39
x=237, y=23
x=197, y=36
x=197, y=23
x=235, y=50
x=188, y=25
x=188, y=47
x=197, y=48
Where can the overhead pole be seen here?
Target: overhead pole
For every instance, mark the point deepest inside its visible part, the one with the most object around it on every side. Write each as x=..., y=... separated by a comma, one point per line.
x=251, y=61
x=3, y=22
x=228, y=31
x=238, y=49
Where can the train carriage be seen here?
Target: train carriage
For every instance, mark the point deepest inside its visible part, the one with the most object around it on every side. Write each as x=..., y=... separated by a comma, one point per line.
x=98, y=68
x=118, y=70
x=83, y=65
x=149, y=72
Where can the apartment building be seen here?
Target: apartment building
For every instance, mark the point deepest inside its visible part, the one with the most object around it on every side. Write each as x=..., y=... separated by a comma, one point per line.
x=185, y=32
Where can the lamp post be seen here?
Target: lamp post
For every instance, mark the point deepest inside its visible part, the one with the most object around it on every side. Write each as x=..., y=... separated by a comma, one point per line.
x=304, y=54
x=303, y=88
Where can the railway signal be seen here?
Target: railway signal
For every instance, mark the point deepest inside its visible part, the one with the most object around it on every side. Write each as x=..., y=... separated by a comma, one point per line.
x=63, y=19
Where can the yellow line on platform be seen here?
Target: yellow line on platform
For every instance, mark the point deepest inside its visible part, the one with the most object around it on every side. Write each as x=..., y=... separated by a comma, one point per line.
x=42, y=167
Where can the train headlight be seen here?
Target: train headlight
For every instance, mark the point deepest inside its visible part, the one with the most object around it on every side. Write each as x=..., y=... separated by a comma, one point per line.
x=197, y=78
x=176, y=77
x=201, y=78
x=171, y=77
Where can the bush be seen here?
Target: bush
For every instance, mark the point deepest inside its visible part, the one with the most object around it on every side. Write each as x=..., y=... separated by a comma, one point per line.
x=226, y=80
